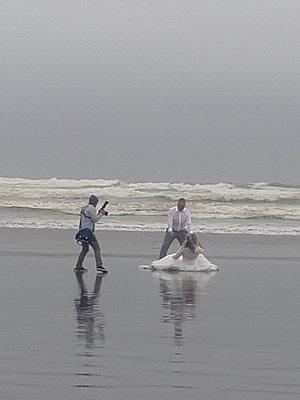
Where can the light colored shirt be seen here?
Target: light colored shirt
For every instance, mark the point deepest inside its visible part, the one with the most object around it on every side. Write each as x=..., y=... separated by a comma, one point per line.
x=89, y=217
x=179, y=220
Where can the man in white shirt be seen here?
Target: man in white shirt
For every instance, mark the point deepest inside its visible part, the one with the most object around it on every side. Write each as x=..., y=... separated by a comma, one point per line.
x=179, y=225
x=89, y=216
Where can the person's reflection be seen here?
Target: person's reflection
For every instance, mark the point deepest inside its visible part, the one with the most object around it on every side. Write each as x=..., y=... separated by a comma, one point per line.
x=89, y=317
x=179, y=293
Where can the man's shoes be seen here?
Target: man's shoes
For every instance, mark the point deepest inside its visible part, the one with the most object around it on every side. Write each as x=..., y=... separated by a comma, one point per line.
x=102, y=270
x=80, y=269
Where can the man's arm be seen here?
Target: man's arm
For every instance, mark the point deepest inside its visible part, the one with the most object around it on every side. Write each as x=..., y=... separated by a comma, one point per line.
x=93, y=214
x=170, y=220
x=189, y=223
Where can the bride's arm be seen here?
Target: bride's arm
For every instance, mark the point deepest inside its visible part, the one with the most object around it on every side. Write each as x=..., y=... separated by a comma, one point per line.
x=178, y=254
x=199, y=249
x=200, y=245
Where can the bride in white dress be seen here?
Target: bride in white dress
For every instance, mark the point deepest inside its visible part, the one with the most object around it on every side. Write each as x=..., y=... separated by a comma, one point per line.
x=188, y=258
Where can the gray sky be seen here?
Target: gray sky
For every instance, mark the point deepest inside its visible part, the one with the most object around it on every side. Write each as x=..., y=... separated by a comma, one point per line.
x=165, y=90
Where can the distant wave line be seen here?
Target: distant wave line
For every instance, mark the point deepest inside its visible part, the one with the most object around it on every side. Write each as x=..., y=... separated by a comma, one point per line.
x=232, y=214
x=30, y=253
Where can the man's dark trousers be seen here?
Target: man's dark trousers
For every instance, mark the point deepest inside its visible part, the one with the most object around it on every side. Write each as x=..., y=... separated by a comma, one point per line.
x=179, y=235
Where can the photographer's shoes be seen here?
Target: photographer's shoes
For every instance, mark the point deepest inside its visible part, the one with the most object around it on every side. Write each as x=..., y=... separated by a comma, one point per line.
x=80, y=269
x=102, y=270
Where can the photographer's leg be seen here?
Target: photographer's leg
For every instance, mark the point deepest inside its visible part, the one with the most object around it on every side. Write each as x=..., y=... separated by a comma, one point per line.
x=83, y=253
x=96, y=247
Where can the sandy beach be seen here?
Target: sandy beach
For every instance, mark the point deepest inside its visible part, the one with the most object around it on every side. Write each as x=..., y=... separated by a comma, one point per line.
x=135, y=334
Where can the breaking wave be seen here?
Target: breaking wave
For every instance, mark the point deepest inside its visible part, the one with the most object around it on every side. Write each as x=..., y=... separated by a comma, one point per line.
x=220, y=207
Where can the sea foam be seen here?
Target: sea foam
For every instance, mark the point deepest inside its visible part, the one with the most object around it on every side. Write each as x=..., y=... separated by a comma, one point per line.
x=224, y=207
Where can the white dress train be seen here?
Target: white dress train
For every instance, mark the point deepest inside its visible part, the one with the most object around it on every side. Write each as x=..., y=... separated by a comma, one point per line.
x=198, y=264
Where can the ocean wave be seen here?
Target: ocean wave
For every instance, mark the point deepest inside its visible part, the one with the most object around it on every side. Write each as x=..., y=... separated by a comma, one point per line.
x=221, y=201
x=229, y=228
x=57, y=183
x=142, y=207
x=198, y=210
x=73, y=189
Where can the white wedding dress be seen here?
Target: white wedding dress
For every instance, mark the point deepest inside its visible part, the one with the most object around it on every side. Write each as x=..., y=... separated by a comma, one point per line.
x=186, y=262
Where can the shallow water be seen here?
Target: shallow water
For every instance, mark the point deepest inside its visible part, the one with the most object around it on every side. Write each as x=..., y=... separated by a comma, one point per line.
x=141, y=335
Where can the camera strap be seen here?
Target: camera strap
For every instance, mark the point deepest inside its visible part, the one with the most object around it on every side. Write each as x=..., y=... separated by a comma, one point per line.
x=82, y=213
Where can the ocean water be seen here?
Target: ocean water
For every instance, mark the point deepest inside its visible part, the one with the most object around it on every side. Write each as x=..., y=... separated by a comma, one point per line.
x=258, y=208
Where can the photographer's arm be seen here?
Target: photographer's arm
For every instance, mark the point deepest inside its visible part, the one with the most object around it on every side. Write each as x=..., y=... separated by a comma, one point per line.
x=102, y=209
x=95, y=217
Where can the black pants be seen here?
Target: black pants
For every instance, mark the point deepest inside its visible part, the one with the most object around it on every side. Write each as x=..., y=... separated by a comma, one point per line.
x=168, y=240
x=85, y=248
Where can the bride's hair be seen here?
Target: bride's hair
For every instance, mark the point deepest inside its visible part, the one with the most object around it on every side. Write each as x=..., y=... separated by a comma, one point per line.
x=192, y=242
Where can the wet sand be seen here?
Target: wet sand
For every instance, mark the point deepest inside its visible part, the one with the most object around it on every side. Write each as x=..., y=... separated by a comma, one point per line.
x=135, y=334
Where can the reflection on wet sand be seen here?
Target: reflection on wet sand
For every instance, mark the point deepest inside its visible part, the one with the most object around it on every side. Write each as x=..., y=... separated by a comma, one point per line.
x=89, y=317
x=179, y=295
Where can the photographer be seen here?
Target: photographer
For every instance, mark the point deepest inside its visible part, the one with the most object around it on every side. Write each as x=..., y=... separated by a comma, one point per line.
x=88, y=217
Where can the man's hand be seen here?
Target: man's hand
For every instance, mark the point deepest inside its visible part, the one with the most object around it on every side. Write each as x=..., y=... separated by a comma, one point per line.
x=103, y=212
x=172, y=234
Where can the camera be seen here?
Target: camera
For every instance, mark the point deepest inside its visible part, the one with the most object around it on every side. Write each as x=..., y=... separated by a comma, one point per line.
x=103, y=208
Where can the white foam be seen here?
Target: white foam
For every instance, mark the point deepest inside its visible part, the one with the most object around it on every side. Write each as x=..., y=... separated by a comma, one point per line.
x=228, y=228
x=221, y=202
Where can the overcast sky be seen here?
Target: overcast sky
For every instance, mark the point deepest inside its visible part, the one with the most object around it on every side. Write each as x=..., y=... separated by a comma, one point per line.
x=145, y=90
